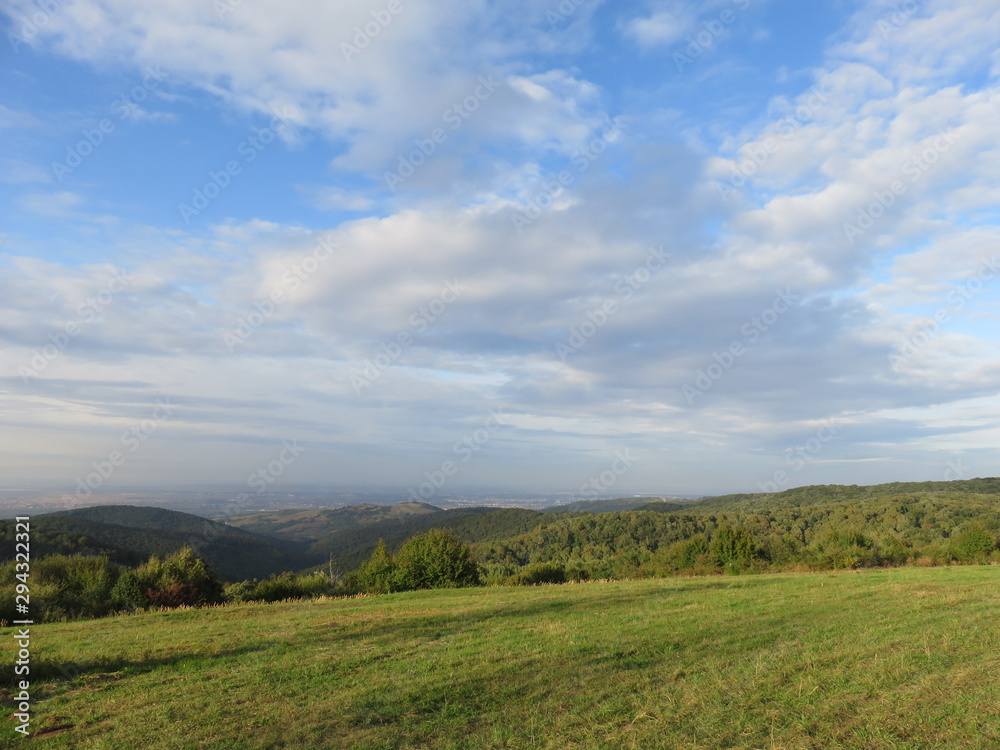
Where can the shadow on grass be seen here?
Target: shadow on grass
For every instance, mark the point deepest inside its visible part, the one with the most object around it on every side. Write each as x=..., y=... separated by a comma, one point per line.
x=447, y=700
x=47, y=670
x=562, y=602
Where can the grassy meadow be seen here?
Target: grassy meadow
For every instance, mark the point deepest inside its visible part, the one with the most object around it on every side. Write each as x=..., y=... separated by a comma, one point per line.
x=895, y=659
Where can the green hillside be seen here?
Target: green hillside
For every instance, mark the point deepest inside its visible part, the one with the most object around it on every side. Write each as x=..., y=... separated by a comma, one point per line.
x=130, y=534
x=617, y=504
x=819, y=494
x=903, y=659
x=312, y=524
x=817, y=527
x=349, y=547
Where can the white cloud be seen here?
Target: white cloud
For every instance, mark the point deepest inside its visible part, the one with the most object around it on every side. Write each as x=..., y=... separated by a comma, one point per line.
x=321, y=64
x=662, y=27
x=17, y=172
x=12, y=118
x=60, y=203
x=328, y=198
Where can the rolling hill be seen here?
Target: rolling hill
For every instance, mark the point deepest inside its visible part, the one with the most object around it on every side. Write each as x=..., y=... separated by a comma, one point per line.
x=821, y=494
x=130, y=534
x=617, y=504
x=346, y=537
x=350, y=547
x=311, y=525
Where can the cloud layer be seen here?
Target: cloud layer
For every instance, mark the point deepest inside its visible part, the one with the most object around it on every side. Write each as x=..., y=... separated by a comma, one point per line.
x=510, y=216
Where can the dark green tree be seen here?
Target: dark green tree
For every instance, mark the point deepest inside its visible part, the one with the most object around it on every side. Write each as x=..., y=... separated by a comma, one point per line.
x=433, y=560
x=183, y=579
x=973, y=544
x=733, y=547
x=127, y=593
x=377, y=575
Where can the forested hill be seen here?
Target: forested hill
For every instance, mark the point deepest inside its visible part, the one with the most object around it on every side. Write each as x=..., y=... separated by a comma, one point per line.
x=834, y=493
x=352, y=546
x=617, y=505
x=818, y=527
x=131, y=534
x=310, y=525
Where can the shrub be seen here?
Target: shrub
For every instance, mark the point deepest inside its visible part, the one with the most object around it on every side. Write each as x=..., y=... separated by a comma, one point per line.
x=733, y=548
x=434, y=560
x=179, y=580
x=279, y=588
x=974, y=544
x=539, y=573
x=497, y=574
x=127, y=593
x=377, y=576
x=63, y=588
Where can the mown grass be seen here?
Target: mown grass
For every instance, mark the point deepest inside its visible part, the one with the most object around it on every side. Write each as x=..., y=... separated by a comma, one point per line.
x=900, y=659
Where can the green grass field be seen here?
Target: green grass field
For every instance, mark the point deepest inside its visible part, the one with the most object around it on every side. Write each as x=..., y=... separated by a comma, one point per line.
x=902, y=659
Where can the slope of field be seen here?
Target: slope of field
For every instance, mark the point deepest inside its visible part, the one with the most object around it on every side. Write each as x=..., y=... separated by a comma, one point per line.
x=903, y=659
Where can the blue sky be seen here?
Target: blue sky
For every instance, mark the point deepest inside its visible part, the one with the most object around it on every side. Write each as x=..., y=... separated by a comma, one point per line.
x=582, y=247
